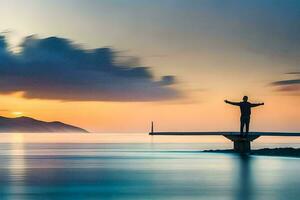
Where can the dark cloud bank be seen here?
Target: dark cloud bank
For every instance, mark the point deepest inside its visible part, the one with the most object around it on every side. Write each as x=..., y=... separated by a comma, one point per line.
x=289, y=85
x=56, y=68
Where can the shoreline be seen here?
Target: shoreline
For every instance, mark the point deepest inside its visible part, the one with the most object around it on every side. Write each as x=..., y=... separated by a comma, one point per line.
x=283, y=152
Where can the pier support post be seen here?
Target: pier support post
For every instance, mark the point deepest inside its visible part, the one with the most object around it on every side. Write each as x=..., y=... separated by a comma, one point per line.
x=241, y=144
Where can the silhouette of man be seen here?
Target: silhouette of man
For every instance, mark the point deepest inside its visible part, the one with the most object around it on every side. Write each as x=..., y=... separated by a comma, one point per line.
x=245, y=108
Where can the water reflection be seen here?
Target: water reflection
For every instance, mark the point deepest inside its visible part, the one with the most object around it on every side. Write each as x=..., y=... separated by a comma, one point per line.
x=244, y=180
x=141, y=171
x=17, y=169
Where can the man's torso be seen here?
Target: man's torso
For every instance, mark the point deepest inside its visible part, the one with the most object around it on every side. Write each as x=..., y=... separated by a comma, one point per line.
x=245, y=108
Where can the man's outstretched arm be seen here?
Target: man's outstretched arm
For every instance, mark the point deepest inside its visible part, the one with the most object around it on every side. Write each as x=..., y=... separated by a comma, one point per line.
x=232, y=103
x=257, y=104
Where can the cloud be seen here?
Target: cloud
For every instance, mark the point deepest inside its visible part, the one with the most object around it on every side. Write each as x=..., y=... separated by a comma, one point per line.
x=289, y=88
x=293, y=73
x=286, y=82
x=289, y=85
x=56, y=68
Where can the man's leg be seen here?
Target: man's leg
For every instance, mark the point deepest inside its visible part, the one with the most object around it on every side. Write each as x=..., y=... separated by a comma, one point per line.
x=242, y=126
x=247, y=125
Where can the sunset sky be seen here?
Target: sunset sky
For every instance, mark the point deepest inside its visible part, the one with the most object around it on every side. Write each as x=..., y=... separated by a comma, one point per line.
x=117, y=65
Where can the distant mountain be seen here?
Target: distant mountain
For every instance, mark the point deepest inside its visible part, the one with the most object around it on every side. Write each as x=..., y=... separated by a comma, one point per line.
x=30, y=125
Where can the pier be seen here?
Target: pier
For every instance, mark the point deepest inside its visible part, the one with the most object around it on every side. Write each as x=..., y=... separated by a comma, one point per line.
x=241, y=144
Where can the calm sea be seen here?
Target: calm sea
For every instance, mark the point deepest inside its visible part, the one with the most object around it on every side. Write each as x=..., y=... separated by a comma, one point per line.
x=73, y=171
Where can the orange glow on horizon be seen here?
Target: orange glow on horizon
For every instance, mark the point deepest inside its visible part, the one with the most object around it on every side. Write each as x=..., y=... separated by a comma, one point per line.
x=280, y=113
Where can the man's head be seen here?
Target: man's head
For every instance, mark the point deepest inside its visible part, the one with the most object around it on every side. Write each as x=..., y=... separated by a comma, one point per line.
x=245, y=98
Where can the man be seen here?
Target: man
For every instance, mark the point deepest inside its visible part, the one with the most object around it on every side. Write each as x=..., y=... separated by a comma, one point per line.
x=245, y=108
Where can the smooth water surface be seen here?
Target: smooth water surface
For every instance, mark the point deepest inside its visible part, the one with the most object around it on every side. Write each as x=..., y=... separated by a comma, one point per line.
x=142, y=171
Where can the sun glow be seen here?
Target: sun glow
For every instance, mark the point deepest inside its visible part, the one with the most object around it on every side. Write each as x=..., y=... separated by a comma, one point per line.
x=17, y=113
x=17, y=138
